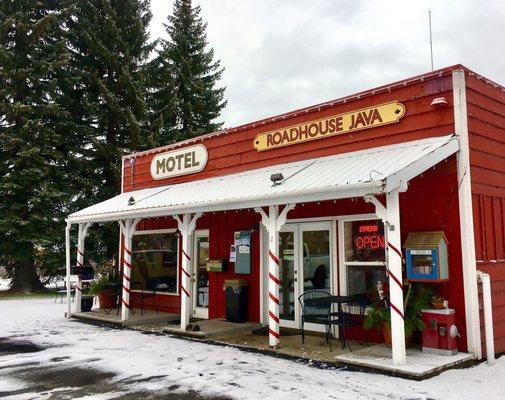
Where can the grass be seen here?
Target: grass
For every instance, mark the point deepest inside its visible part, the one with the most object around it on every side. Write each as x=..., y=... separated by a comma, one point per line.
x=39, y=294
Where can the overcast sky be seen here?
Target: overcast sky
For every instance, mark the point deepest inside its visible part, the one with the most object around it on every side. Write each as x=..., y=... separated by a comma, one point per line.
x=285, y=54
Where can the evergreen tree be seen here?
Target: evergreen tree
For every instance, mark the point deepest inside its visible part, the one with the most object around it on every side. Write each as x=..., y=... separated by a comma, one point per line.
x=36, y=157
x=185, y=99
x=105, y=96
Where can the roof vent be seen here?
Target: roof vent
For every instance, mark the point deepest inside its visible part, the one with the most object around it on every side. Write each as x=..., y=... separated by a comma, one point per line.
x=131, y=201
x=276, y=178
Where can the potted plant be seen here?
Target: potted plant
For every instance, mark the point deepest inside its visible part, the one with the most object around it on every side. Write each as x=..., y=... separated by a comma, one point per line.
x=100, y=286
x=437, y=302
x=416, y=298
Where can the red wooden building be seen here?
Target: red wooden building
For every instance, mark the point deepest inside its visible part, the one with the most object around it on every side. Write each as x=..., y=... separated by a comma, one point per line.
x=323, y=198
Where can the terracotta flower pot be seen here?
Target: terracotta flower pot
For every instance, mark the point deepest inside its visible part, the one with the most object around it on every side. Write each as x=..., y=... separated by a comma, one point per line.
x=106, y=299
x=386, y=333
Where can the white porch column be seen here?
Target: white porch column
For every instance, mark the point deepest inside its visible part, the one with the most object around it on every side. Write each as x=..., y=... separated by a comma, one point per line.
x=273, y=223
x=390, y=215
x=468, y=258
x=186, y=226
x=67, y=262
x=394, y=255
x=81, y=236
x=128, y=227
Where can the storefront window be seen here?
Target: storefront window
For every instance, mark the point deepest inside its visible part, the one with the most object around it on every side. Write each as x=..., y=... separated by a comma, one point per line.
x=364, y=252
x=154, y=255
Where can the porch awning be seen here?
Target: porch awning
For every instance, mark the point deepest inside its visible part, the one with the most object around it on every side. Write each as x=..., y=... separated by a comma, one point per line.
x=373, y=171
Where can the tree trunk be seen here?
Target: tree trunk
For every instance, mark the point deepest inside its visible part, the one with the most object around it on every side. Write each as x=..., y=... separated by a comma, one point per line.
x=24, y=277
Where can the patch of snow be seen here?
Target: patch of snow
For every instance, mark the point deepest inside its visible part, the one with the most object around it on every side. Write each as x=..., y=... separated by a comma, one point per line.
x=4, y=284
x=213, y=370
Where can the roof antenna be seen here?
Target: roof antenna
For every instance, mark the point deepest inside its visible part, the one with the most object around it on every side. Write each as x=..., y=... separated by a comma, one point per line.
x=431, y=39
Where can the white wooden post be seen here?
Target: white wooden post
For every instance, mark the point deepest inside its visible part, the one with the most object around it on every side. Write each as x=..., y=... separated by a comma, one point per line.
x=67, y=262
x=273, y=222
x=186, y=226
x=390, y=215
x=128, y=229
x=81, y=236
x=468, y=258
x=395, y=277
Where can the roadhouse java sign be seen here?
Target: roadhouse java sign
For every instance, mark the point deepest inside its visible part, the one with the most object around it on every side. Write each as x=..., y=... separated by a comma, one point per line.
x=179, y=162
x=382, y=114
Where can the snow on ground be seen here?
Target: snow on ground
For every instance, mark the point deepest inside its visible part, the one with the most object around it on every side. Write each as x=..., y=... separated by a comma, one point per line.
x=4, y=284
x=141, y=363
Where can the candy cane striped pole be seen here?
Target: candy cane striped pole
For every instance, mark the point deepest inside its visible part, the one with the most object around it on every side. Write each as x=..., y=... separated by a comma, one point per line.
x=394, y=261
x=273, y=222
x=186, y=226
x=79, y=263
x=273, y=290
x=128, y=230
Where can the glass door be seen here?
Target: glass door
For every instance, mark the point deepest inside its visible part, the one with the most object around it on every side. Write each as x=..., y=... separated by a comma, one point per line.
x=288, y=290
x=316, y=271
x=305, y=257
x=200, y=275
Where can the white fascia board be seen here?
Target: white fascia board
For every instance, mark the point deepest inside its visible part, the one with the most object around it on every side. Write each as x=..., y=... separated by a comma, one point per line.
x=421, y=165
x=376, y=187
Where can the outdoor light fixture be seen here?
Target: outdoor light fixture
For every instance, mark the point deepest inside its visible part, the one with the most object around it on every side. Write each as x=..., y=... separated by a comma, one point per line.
x=131, y=201
x=276, y=178
x=439, y=102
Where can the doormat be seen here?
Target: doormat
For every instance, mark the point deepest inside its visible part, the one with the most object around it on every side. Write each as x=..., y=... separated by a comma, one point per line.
x=263, y=331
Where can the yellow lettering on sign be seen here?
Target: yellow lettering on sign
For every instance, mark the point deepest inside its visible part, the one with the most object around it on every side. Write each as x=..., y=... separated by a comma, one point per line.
x=371, y=117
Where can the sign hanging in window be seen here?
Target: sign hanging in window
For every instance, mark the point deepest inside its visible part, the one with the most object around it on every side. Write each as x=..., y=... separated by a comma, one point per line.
x=364, y=240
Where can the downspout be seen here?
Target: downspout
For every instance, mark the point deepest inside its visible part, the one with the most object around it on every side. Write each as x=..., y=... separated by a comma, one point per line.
x=488, y=315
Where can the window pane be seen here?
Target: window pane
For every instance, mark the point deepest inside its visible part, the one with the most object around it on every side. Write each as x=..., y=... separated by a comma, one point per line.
x=316, y=260
x=286, y=275
x=202, y=282
x=364, y=240
x=155, y=256
x=362, y=279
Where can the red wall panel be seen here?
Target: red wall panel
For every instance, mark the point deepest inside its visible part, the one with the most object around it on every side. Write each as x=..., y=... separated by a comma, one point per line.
x=486, y=124
x=234, y=152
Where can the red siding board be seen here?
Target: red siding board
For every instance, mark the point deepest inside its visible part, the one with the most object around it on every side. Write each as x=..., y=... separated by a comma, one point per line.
x=486, y=107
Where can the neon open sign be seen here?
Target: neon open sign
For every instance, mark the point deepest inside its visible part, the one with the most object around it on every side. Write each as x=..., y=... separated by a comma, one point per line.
x=370, y=238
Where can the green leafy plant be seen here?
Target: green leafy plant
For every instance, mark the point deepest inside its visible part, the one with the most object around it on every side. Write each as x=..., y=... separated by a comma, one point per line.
x=105, y=273
x=98, y=285
x=416, y=298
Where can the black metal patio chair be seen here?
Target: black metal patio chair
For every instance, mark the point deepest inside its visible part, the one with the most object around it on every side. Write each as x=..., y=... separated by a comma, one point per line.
x=315, y=309
x=149, y=293
x=351, y=315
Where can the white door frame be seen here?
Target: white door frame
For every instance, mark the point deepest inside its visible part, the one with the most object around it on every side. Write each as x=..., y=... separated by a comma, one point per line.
x=298, y=228
x=286, y=322
x=198, y=312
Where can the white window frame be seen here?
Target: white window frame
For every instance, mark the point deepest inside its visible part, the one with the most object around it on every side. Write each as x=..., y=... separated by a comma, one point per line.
x=157, y=232
x=343, y=264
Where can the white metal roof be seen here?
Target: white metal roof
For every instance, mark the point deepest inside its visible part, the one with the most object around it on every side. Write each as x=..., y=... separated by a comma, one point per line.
x=372, y=171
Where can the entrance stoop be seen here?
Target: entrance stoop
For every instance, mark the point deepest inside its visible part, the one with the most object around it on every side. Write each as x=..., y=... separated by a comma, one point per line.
x=419, y=365
x=98, y=315
x=212, y=327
